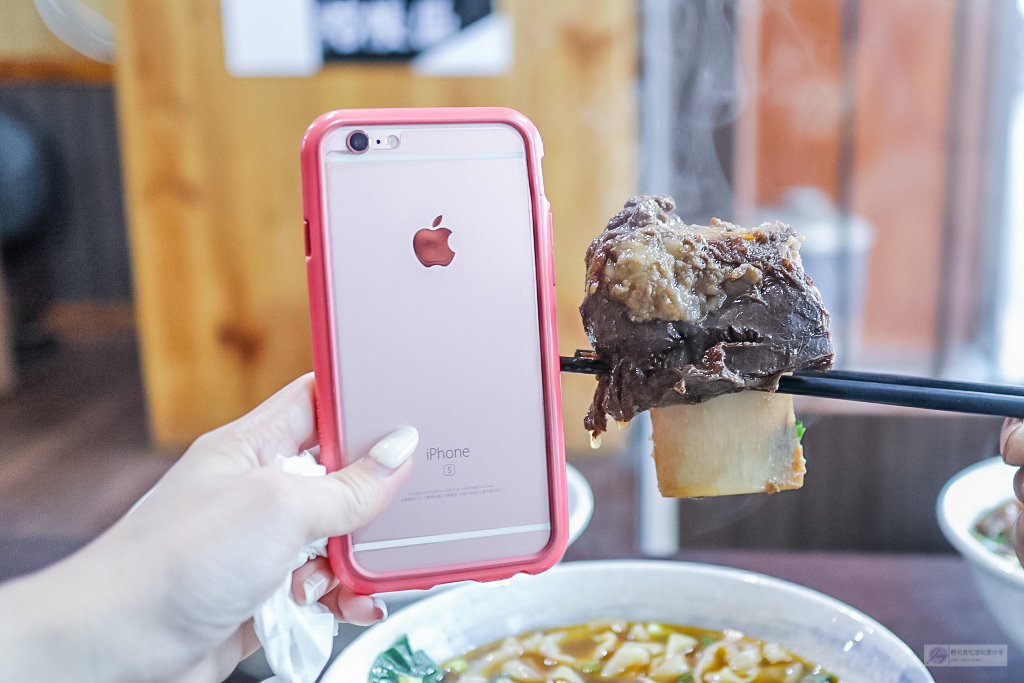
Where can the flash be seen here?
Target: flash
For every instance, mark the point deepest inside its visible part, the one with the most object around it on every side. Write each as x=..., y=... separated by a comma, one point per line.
x=392, y=141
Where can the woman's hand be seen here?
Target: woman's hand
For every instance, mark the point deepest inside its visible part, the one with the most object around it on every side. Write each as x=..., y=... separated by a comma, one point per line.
x=1011, y=447
x=169, y=591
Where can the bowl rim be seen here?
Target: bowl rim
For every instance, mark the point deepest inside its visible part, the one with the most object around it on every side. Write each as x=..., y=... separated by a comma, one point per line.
x=580, y=517
x=961, y=539
x=628, y=565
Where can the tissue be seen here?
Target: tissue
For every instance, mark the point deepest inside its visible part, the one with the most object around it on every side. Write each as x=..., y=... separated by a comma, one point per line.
x=297, y=639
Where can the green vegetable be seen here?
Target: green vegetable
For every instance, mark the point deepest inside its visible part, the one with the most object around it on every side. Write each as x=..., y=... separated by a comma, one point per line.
x=400, y=664
x=685, y=678
x=459, y=665
x=800, y=429
x=590, y=666
x=708, y=640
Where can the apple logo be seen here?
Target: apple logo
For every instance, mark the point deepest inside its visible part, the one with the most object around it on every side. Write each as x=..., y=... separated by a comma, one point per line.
x=431, y=245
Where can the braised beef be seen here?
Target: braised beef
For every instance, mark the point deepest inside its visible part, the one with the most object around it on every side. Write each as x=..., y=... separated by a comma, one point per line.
x=683, y=313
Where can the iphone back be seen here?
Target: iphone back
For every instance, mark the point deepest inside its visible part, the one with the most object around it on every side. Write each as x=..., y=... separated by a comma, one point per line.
x=432, y=299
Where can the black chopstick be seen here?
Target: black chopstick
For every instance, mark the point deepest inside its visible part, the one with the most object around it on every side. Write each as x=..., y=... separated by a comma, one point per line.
x=896, y=390
x=882, y=378
x=582, y=364
x=904, y=394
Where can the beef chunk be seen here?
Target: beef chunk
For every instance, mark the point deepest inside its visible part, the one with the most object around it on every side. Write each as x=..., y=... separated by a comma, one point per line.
x=683, y=313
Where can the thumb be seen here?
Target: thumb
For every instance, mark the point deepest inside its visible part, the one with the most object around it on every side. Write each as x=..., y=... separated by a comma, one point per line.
x=1011, y=442
x=347, y=499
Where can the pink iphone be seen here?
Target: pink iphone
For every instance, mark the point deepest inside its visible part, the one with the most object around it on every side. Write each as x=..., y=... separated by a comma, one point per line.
x=431, y=287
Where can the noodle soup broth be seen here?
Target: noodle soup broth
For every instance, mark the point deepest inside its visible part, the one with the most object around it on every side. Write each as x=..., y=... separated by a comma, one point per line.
x=617, y=650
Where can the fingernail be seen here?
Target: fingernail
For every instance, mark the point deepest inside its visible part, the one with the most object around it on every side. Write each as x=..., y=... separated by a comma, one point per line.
x=1010, y=426
x=315, y=587
x=382, y=609
x=396, y=447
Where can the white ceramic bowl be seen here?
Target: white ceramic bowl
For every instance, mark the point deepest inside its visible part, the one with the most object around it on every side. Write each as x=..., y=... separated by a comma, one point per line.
x=963, y=500
x=815, y=626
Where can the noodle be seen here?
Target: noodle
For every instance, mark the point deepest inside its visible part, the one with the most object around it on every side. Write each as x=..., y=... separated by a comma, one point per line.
x=616, y=651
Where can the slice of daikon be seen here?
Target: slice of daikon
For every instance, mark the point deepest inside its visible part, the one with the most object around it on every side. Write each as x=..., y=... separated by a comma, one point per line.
x=745, y=442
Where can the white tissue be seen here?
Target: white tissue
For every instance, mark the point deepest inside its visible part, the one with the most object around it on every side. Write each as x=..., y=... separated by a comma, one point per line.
x=297, y=639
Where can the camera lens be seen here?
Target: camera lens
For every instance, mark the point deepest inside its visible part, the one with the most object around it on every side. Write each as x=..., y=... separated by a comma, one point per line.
x=357, y=142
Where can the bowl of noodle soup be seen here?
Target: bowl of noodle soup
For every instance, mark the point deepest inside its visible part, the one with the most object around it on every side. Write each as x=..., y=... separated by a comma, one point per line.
x=965, y=501
x=748, y=607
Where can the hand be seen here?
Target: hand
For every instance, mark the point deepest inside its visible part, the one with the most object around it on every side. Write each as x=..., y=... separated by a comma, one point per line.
x=169, y=591
x=1011, y=447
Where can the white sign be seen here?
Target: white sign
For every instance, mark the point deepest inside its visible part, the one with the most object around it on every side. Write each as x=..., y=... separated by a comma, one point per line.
x=484, y=48
x=271, y=37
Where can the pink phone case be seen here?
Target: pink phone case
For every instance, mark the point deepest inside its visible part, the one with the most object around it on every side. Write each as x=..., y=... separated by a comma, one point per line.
x=322, y=309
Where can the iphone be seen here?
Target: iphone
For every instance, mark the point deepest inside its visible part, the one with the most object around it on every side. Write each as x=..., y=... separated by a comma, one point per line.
x=431, y=286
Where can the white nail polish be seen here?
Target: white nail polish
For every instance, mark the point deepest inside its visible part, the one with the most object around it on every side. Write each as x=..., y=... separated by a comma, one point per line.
x=314, y=588
x=396, y=447
x=380, y=604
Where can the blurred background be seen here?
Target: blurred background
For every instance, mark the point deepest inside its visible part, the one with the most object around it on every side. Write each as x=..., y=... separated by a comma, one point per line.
x=151, y=220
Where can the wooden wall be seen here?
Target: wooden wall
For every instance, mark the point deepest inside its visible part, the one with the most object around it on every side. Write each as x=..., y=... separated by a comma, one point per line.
x=797, y=97
x=29, y=51
x=903, y=76
x=211, y=165
x=902, y=51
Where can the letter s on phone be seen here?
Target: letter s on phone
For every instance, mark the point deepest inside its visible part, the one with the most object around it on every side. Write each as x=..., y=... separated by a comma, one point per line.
x=432, y=302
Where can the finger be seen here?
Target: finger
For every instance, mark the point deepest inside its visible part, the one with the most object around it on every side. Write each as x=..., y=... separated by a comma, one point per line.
x=345, y=500
x=1018, y=484
x=312, y=581
x=330, y=601
x=218, y=663
x=361, y=610
x=284, y=424
x=250, y=643
x=1011, y=442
